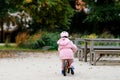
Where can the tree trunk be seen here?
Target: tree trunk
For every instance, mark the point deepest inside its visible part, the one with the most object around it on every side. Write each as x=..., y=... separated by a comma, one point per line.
x=1, y=32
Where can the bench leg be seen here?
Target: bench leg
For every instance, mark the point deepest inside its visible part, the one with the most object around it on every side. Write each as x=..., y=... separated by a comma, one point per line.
x=91, y=58
x=80, y=55
x=96, y=58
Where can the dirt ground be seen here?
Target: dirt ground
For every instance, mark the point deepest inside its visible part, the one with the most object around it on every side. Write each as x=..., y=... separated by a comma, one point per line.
x=47, y=66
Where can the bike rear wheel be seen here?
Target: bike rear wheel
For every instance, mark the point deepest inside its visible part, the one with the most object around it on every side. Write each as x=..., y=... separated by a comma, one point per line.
x=66, y=67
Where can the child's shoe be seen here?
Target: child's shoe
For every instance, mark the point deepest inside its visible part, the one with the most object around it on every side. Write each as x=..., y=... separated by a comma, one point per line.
x=63, y=72
x=72, y=70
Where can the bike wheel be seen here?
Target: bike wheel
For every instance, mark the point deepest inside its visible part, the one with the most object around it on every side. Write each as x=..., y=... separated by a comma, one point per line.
x=66, y=66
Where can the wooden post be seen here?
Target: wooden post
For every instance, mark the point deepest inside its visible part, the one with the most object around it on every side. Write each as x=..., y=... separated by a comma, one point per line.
x=85, y=52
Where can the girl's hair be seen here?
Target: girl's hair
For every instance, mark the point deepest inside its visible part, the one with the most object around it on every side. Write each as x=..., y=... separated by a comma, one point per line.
x=64, y=37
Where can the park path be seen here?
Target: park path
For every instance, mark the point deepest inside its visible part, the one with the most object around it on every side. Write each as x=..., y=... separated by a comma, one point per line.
x=46, y=66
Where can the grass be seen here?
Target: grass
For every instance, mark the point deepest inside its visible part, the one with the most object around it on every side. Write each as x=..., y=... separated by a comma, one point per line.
x=14, y=47
x=10, y=50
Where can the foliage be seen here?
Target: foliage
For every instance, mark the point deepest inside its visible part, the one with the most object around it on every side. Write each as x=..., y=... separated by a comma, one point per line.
x=21, y=38
x=9, y=5
x=41, y=40
x=92, y=36
x=5, y=6
x=50, y=15
x=107, y=35
x=103, y=35
x=104, y=14
x=56, y=16
x=7, y=42
x=47, y=39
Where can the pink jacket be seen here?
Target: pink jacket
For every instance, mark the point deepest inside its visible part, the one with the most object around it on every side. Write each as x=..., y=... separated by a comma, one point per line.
x=66, y=48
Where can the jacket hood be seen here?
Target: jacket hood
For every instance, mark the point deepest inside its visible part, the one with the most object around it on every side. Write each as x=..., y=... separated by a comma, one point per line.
x=63, y=41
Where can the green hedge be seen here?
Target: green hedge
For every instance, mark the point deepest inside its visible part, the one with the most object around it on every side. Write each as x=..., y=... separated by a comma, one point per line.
x=47, y=40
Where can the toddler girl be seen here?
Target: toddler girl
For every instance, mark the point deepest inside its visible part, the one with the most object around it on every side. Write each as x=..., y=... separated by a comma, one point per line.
x=66, y=50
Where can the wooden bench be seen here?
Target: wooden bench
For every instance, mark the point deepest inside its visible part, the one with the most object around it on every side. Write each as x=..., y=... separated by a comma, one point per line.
x=103, y=47
x=83, y=48
x=94, y=49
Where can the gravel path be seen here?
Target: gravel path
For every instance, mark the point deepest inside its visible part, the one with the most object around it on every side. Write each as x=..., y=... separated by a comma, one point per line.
x=46, y=66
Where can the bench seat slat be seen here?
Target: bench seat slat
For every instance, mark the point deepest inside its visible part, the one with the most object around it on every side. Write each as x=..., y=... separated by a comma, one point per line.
x=113, y=52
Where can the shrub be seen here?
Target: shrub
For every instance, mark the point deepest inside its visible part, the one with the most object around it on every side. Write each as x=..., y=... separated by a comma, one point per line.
x=103, y=35
x=40, y=40
x=92, y=36
x=106, y=34
x=47, y=39
x=21, y=38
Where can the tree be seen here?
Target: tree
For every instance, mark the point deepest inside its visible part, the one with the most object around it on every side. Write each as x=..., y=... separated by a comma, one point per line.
x=5, y=7
x=77, y=24
x=2, y=12
x=50, y=15
x=104, y=15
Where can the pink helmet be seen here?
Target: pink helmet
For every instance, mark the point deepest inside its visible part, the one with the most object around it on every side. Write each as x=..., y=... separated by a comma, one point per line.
x=64, y=33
